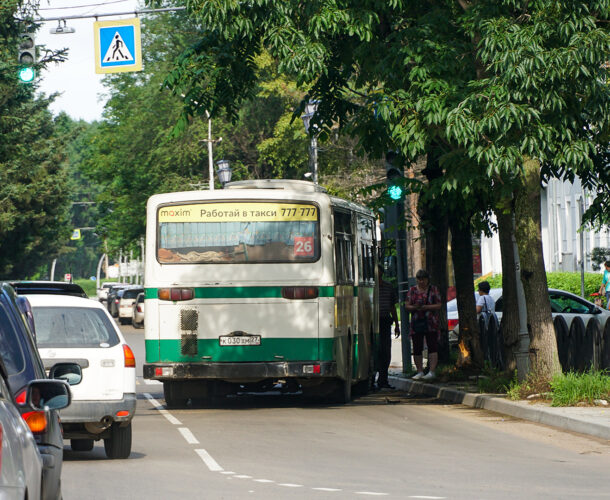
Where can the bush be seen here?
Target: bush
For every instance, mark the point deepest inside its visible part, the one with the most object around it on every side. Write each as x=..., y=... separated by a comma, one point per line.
x=570, y=282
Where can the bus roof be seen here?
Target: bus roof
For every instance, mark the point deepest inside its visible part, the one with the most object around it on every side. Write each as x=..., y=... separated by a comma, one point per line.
x=288, y=184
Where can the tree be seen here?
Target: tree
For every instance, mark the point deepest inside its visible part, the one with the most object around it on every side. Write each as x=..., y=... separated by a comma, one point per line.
x=501, y=86
x=33, y=194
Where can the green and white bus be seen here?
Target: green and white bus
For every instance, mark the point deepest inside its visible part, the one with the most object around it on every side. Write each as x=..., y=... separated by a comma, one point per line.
x=261, y=283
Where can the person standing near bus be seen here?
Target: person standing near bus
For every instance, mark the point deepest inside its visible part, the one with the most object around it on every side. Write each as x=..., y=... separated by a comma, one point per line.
x=423, y=302
x=388, y=299
x=605, y=288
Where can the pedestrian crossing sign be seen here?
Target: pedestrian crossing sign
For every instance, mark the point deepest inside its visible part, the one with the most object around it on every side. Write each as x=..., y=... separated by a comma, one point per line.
x=117, y=46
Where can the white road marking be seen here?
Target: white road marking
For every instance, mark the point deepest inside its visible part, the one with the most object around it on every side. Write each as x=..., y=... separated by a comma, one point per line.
x=140, y=381
x=214, y=467
x=159, y=407
x=208, y=460
x=188, y=435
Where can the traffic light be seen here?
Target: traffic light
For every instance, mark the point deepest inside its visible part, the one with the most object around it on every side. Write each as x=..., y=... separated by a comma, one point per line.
x=394, y=177
x=27, y=58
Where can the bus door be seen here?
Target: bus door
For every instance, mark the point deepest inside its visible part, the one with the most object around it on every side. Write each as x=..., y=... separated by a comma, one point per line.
x=366, y=314
x=344, y=289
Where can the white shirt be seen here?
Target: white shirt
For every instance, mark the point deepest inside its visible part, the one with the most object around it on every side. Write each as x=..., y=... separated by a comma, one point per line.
x=487, y=303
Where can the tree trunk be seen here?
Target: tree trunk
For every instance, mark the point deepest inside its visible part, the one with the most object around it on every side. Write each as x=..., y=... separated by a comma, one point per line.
x=436, y=264
x=436, y=233
x=544, y=361
x=470, y=352
x=510, y=307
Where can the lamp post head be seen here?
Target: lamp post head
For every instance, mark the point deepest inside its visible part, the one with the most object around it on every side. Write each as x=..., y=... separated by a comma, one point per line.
x=310, y=109
x=224, y=171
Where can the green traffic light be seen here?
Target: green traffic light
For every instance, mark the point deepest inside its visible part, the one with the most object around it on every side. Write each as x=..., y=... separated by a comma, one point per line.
x=27, y=74
x=395, y=192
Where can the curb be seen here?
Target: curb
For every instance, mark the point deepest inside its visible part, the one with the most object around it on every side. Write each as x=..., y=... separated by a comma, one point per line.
x=554, y=417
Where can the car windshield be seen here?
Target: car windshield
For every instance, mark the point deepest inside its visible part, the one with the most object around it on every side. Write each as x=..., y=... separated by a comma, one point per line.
x=131, y=294
x=73, y=327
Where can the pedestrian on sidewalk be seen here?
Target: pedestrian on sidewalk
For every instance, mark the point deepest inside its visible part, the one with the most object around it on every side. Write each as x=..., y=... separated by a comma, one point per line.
x=424, y=302
x=388, y=299
x=485, y=303
x=605, y=288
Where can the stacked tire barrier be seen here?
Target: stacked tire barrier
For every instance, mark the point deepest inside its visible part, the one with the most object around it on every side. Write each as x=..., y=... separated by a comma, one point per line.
x=580, y=347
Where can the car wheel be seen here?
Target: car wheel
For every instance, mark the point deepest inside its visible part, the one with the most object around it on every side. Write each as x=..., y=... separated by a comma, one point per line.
x=137, y=325
x=81, y=444
x=118, y=445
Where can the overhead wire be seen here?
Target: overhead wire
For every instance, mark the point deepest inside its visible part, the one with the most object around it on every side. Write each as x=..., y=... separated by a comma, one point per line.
x=83, y=6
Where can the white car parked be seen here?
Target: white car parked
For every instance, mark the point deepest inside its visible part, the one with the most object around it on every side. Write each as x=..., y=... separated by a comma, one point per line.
x=563, y=303
x=82, y=331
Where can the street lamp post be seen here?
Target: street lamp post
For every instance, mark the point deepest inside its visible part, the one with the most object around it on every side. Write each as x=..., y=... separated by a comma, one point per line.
x=210, y=142
x=224, y=171
x=310, y=109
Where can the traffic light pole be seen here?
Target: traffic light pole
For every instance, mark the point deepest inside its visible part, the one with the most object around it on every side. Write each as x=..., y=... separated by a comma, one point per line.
x=395, y=229
x=403, y=286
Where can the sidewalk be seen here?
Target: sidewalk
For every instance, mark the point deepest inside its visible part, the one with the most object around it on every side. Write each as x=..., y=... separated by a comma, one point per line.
x=593, y=421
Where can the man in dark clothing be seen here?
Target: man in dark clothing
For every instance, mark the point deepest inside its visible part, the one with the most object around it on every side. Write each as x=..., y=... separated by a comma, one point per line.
x=388, y=298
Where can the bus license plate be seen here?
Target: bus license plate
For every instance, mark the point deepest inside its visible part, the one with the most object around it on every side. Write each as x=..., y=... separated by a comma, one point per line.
x=245, y=340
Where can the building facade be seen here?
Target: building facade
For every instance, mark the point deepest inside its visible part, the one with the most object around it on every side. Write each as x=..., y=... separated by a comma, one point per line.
x=564, y=246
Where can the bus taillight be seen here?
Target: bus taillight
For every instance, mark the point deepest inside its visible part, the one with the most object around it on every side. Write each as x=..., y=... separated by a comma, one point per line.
x=175, y=294
x=300, y=292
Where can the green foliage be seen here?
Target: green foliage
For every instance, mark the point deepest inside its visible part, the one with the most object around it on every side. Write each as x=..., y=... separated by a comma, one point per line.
x=599, y=256
x=570, y=282
x=488, y=84
x=571, y=388
x=33, y=192
x=89, y=286
x=493, y=381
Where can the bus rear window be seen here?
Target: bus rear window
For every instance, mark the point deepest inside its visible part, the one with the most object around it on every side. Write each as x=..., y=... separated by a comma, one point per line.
x=238, y=232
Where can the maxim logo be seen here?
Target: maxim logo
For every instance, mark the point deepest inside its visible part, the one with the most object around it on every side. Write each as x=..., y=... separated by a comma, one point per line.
x=174, y=212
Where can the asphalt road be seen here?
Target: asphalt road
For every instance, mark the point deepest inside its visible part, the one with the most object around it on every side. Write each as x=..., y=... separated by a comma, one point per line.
x=386, y=444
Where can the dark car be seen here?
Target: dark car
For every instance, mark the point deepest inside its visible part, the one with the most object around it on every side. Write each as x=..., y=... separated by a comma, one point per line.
x=112, y=301
x=47, y=288
x=23, y=365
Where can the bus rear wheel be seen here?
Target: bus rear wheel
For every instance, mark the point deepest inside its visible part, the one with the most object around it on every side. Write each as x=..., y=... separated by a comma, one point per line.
x=174, y=395
x=342, y=392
